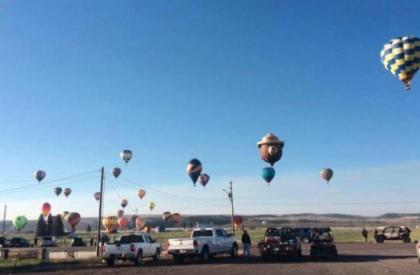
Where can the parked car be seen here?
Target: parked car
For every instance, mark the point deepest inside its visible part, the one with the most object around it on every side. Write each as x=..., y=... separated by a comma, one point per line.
x=77, y=242
x=304, y=234
x=204, y=242
x=3, y=242
x=280, y=242
x=48, y=241
x=388, y=233
x=323, y=245
x=131, y=247
x=19, y=242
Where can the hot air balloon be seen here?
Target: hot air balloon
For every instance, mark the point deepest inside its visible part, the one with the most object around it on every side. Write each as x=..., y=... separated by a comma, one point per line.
x=140, y=224
x=152, y=206
x=122, y=222
x=268, y=174
x=327, y=174
x=271, y=148
x=67, y=192
x=401, y=57
x=166, y=216
x=110, y=223
x=73, y=219
x=120, y=213
x=45, y=209
x=176, y=218
x=39, y=175
x=237, y=221
x=97, y=196
x=20, y=222
x=126, y=155
x=124, y=203
x=116, y=172
x=204, y=179
x=65, y=214
x=141, y=193
x=57, y=191
x=194, y=169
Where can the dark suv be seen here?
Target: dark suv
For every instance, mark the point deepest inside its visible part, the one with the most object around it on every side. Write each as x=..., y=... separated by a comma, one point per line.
x=280, y=242
x=323, y=245
x=19, y=242
x=392, y=233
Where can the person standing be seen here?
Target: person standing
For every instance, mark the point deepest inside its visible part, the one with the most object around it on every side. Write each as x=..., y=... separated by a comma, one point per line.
x=365, y=234
x=246, y=243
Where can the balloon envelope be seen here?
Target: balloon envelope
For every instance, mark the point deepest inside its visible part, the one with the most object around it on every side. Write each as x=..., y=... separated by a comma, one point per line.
x=141, y=193
x=110, y=223
x=194, y=169
x=166, y=216
x=126, y=155
x=204, y=179
x=97, y=196
x=327, y=174
x=20, y=222
x=152, y=205
x=400, y=57
x=271, y=148
x=39, y=175
x=46, y=208
x=116, y=172
x=140, y=223
x=67, y=192
x=237, y=220
x=122, y=222
x=58, y=190
x=124, y=203
x=73, y=219
x=176, y=217
x=120, y=213
x=268, y=174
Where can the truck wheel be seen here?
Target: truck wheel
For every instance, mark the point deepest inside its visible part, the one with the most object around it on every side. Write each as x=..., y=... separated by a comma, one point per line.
x=110, y=261
x=234, y=251
x=179, y=259
x=137, y=261
x=406, y=240
x=380, y=239
x=205, y=256
x=299, y=253
x=157, y=255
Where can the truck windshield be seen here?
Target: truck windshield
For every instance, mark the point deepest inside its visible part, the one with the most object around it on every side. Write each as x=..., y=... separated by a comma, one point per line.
x=131, y=239
x=203, y=233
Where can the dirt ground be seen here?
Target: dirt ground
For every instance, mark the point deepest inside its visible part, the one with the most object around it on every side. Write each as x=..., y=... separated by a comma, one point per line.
x=387, y=258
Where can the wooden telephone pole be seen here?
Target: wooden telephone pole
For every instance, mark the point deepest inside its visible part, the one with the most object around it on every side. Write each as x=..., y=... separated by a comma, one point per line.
x=229, y=192
x=98, y=237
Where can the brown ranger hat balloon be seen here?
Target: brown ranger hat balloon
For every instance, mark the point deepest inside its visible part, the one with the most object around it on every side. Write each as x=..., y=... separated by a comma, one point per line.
x=271, y=148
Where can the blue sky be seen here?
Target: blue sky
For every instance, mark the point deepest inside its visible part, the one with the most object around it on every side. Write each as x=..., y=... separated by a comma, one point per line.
x=172, y=80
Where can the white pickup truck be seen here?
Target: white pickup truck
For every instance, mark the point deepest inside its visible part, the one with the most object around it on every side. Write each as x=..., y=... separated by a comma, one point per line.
x=204, y=243
x=131, y=247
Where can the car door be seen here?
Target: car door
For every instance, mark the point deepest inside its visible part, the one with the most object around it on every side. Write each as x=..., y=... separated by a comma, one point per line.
x=149, y=246
x=225, y=242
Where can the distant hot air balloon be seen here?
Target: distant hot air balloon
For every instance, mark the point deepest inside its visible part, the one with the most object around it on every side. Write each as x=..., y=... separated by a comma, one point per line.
x=271, y=148
x=124, y=203
x=194, y=169
x=58, y=190
x=401, y=57
x=204, y=179
x=268, y=174
x=110, y=223
x=122, y=222
x=67, y=192
x=97, y=196
x=176, y=218
x=237, y=221
x=141, y=193
x=152, y=206
x=73, y=219
x=45, y=209
x=327, y=174
x=140, y=224
x=20, y=222
x=116, y=172
x=166, y=216
x=120, y=213
x=126, y=155
x=39, y=175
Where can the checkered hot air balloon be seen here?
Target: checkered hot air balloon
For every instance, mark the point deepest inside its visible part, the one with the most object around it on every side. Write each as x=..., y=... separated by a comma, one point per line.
x=401, y=57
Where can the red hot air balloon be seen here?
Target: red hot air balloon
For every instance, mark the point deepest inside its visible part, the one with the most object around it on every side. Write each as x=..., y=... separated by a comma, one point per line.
x=122, y=222
x=237, y=221
x=46, y=209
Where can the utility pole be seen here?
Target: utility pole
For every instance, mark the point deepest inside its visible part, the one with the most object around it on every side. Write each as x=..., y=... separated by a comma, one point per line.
x=229, y=192
x=4, y=219
x=98, y=237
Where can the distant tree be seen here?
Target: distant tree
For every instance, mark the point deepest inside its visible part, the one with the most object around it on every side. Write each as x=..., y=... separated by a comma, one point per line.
x=57, y=226
x=88, y=228
x=41, y=227
x=49, y=225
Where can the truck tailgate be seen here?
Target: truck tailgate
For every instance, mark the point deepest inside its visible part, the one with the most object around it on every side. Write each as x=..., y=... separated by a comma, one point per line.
x=181, y=244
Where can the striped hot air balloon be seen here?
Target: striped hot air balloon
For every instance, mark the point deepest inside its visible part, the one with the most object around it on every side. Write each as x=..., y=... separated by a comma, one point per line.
x=110, y=223
x=401, y=57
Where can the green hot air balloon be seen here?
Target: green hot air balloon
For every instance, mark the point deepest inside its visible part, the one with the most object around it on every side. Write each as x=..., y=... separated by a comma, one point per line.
x=20, y=222
x=268, y=174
